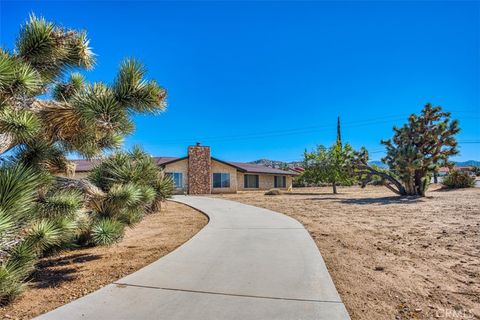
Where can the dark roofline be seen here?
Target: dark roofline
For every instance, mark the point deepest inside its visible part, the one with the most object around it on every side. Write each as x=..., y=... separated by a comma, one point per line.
x=173, y=160
x=229, y=164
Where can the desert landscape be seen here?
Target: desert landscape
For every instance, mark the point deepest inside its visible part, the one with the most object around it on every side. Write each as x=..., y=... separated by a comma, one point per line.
x=392, y=257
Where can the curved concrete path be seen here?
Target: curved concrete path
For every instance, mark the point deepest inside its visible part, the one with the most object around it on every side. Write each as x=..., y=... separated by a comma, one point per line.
x=247, y=263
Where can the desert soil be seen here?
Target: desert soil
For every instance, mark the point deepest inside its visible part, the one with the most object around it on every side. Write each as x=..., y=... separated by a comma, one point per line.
x=392, y=257
x=62, y=278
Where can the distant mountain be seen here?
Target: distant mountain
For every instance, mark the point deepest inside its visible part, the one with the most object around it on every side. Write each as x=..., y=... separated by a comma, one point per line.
x=277, y=164
x=283, y=164
x=474, y=163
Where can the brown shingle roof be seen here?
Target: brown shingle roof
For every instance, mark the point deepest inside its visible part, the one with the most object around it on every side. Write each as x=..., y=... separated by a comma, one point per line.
x=87, y=165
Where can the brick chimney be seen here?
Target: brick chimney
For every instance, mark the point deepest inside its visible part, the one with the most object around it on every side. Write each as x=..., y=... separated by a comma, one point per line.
x=199, y=167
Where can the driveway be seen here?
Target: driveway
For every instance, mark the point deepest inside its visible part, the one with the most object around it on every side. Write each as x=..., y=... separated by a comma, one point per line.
x=247, y=263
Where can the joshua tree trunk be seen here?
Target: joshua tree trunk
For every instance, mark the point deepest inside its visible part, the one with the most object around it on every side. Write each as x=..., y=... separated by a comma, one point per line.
x=6, y=143
x=390, y=182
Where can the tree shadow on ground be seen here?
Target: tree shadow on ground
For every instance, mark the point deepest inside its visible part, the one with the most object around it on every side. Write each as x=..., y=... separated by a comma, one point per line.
x=323, y=198
x=382, y=200
x=308, y=194
x=52, y=272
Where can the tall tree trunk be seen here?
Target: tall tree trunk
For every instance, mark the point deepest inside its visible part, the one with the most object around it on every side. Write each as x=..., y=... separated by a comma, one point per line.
x=334, y=186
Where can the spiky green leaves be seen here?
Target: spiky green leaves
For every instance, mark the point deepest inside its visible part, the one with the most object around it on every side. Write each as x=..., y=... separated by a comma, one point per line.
x=134, y=92
x=21, y=124
x=50, y=49
x=106, y=231
x=99, y=106
x=60, y=203
x=13, y=273
x=419, y=147
x=42, y=156
x=17, y=78
x=67, y=90
x=125, y=167
x=164, y=188
x=18, y=189
x=44, y=235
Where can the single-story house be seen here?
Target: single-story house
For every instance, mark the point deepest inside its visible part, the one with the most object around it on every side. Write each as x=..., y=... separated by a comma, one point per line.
x=200, y=173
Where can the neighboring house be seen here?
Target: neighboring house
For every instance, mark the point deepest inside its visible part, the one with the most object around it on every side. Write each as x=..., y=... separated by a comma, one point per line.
x=443, y=171
x=464, y=168
x=200, y=173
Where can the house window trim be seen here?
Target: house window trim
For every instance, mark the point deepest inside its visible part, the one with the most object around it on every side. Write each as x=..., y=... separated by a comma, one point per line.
x=172, y=175
x=222, y=174
x=257, y=182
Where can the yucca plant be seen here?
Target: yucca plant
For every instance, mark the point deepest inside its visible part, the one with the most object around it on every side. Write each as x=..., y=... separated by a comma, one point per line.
x=133, y=186
x=41, y=208
x=18, y=192
x=164, y=188
x=106, y=231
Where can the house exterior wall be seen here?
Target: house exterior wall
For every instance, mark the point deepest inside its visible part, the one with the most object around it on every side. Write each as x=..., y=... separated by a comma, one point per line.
x=218, y=167
x=81, y=175
x=76, y=175
x=179, y=166
x=199, y=170
x=265, y=181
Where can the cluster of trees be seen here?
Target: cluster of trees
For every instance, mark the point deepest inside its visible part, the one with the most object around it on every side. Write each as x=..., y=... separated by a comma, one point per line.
x=416, y=152
x=42, y=209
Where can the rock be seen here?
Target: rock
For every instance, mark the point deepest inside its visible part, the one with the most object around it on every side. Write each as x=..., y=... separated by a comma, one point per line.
x=379, y=268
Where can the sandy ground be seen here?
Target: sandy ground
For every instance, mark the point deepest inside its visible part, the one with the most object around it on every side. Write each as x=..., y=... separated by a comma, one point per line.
x=391, y=257
x=72, y=274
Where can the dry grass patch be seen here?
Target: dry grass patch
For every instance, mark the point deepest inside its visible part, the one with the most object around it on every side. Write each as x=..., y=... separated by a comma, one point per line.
x=72, y=274
x=391, y=257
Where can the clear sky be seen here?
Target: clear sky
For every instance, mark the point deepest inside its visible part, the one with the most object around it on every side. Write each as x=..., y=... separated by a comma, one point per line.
x=268, y=79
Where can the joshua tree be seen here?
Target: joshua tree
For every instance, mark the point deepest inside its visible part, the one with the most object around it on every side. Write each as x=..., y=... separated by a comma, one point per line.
x=416, y=151
x=46, y=113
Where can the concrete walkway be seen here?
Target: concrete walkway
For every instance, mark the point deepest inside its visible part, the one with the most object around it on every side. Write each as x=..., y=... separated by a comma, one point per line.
x=247, y=263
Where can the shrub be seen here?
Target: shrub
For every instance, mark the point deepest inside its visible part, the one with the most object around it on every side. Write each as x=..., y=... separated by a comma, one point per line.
x=273, y=192
x=458, y=179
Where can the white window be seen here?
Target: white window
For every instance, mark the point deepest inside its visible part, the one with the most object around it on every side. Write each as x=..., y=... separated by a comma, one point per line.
x=177, y=178
x=221, y=180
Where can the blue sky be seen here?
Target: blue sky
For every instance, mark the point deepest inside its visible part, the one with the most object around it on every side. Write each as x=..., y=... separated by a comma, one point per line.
x=268, y=79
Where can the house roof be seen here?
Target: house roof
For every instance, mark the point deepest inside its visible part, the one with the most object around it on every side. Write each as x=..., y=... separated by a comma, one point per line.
x=256, y=168
x=87, y=165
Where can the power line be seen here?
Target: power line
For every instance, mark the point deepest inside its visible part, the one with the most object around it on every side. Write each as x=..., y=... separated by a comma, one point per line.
x=287, y=132
x=294, y=131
